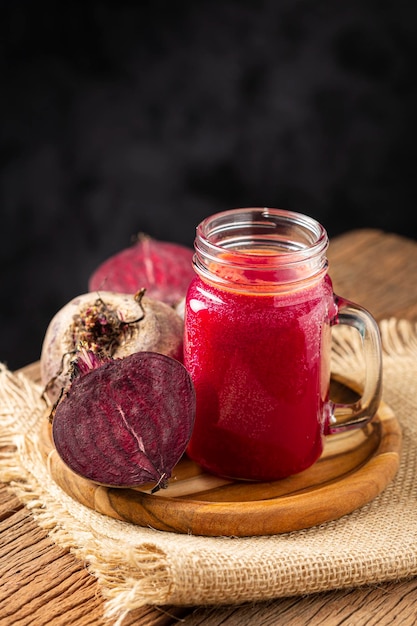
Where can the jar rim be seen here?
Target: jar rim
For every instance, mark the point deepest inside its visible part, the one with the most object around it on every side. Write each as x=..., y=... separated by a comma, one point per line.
x=261, y=245
x=212, y=233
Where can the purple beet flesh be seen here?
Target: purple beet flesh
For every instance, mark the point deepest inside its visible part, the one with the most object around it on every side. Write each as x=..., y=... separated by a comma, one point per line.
x=128, y=422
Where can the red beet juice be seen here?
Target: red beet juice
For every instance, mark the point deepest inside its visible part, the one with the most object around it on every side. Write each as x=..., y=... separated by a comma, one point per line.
x=260, y=366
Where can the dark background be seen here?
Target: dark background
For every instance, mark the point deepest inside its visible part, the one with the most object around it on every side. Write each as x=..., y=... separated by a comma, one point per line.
x=121, y=117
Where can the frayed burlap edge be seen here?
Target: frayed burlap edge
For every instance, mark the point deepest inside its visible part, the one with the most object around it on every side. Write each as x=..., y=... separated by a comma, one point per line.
x=138, y=566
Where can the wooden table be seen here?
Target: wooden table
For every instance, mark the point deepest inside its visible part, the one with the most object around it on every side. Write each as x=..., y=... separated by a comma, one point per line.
x=41, y=584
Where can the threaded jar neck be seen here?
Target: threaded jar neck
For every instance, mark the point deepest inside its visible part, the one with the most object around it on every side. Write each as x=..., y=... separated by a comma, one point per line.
x=260, y=249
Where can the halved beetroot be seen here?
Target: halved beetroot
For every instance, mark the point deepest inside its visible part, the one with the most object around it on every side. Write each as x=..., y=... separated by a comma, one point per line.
x=127, y=422
x=164, y=269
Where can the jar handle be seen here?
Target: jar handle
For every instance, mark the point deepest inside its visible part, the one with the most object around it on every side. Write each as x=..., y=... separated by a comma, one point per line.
x=344, y=417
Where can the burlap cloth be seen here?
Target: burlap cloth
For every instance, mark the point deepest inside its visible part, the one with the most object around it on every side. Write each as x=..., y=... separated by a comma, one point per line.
x=137, y=566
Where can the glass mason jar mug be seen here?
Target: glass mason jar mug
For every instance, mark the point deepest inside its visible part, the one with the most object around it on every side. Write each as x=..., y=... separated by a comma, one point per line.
x=258, y=344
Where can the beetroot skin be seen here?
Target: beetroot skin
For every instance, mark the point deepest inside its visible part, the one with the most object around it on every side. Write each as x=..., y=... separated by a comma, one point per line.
x=164, y=269
x=113, y=324
x=127, y=422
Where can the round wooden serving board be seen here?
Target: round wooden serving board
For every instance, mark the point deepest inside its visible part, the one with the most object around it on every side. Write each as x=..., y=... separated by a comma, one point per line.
x=354, y=468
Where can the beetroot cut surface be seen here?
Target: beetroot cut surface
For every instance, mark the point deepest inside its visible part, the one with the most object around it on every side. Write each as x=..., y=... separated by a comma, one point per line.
x=163, y=268
x=128, y=422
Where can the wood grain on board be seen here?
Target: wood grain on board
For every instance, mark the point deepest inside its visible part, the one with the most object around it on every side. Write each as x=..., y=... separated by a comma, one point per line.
x=353, y=469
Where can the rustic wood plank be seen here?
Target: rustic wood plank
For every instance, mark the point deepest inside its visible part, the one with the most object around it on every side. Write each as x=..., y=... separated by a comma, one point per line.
x=43, y=584
x=376, y=271
x=159, y=616
x=9, y=503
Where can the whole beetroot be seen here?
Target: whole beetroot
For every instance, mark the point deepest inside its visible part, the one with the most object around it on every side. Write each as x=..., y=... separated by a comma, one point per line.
x=109, y=324
x=125, y=422
x=164, y=269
